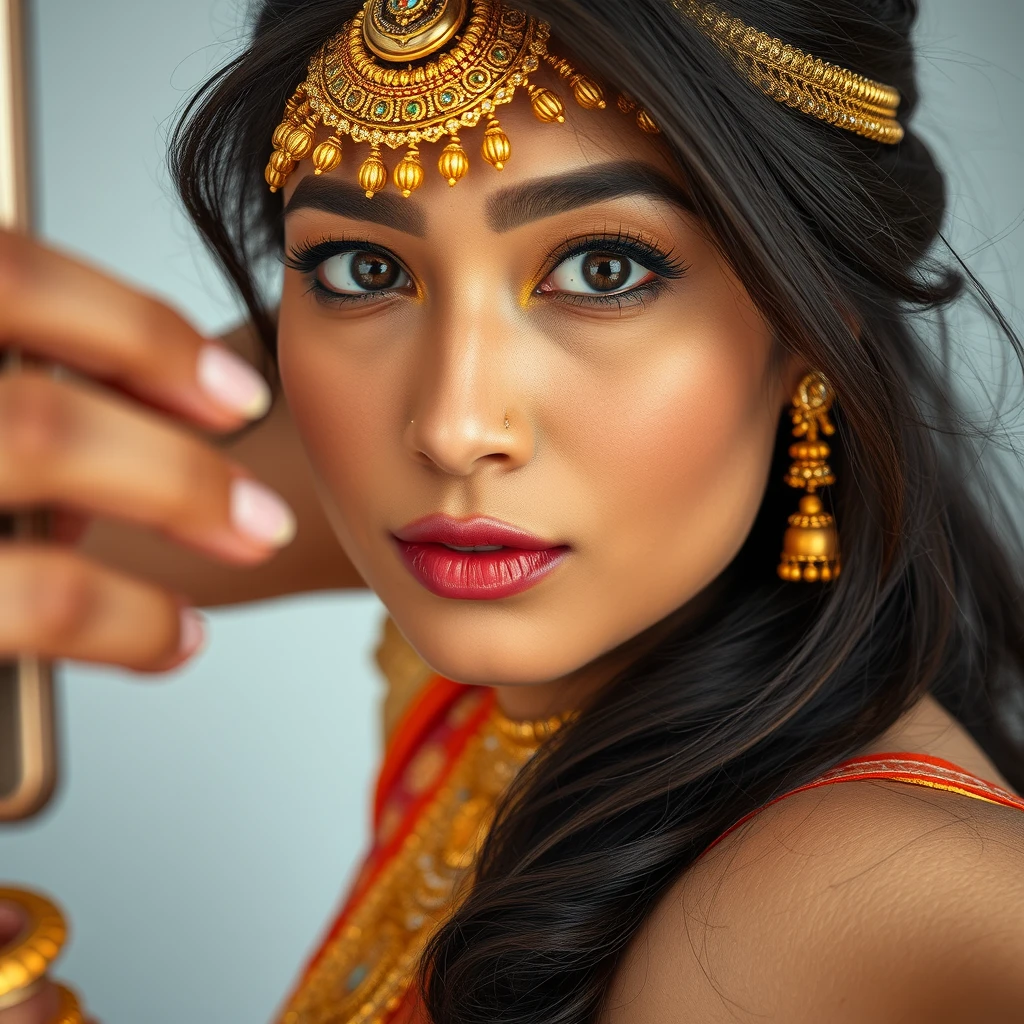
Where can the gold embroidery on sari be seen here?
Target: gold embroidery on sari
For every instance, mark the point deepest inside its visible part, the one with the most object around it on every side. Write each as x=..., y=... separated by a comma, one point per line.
x=367, y=969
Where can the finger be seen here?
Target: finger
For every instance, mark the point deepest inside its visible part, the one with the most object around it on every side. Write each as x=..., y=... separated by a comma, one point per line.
x=54, y=603
x=12, y=921
x=39, y=1008
x=71, y=445
x=59, y=308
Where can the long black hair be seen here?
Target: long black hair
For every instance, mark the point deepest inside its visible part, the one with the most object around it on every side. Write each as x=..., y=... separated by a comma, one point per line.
x=838, y=241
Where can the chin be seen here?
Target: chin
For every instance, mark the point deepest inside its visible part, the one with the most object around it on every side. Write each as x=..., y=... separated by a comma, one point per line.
x=490, y=655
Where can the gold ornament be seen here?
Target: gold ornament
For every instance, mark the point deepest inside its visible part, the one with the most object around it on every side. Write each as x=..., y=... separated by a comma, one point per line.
x=409, y=174
x=496, y=148
x=404, y=72
x=282, y=162
x=275, y=179
x=407, y=30
x=299, y=142
x=281, y=133
x=453, y=162
x=800, y=80
x=25, y=962
x=547, y=105
x=373, y=175
x=69, y=1009
x=327, y=155
x=474, y=55
x=646, y=123
x=588, y=93
x=810, y=547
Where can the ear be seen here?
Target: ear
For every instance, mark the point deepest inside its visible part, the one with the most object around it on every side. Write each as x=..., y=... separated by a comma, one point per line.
x=792, y=368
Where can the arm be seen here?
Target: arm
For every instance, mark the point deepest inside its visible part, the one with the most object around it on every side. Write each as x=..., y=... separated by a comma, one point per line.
x=273, y=451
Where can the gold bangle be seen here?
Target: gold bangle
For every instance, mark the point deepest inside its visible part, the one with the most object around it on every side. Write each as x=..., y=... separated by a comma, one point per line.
x=70, y=1009
x=24, y=963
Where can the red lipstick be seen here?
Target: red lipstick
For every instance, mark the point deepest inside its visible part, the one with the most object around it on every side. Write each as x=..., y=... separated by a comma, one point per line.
x=477, y=559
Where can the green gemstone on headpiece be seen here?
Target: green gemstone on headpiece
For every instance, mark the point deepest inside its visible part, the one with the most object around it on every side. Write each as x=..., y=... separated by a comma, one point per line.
x=501, y=55
x=381, y=109
x=478, y=78
x=447, y=97
x=412, y=109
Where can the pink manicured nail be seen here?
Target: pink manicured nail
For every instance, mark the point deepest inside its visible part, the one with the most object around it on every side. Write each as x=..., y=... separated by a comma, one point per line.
x=260, y=514
x=232, y=382
x=192, y=632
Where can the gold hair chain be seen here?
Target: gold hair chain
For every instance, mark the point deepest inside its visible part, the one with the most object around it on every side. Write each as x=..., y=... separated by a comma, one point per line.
x=799, y=80
x=406, y=72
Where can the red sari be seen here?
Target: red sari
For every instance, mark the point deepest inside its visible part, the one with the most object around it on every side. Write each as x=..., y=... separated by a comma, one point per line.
x=449, y=759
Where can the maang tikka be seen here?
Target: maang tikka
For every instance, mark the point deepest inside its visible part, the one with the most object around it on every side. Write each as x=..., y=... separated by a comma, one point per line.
x=810, y=548
x=406, y=72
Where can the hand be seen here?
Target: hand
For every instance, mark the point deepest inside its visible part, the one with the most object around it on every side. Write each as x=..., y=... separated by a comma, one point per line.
x=116, y=442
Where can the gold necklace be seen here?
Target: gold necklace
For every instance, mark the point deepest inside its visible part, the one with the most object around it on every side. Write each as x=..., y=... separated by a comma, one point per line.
x=365, y=971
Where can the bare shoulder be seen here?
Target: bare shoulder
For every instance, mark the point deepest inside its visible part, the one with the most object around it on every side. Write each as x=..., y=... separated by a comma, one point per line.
x=860, y=901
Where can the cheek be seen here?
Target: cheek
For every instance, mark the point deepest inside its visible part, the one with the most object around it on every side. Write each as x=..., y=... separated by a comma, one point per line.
x=344, y=394
x=675, y=458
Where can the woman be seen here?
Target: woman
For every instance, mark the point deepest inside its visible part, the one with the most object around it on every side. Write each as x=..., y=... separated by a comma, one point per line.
x=550, y=415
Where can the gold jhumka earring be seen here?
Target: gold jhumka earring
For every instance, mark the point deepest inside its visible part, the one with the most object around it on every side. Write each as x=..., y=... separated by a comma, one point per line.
x=810, y=548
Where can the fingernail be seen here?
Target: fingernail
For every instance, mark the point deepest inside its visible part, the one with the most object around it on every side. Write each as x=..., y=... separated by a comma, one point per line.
x=260, y=514
x=230, y=381
x=192, y=633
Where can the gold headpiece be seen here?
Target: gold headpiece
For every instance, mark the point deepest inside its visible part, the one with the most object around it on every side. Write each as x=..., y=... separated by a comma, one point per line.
x=790, y=76
x=382, y=80
x=404, y=72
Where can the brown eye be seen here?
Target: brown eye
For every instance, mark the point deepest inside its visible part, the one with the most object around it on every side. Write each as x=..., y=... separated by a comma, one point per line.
x=359, y=273
x=374, y=272
x=597, y=273
x=605, y=271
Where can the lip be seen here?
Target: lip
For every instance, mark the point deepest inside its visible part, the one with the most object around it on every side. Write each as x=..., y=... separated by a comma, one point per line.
x=467, y=533
x=523, y=561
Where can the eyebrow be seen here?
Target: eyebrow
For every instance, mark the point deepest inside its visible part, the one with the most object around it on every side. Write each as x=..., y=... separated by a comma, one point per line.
x=333, y=195
x=520, y=204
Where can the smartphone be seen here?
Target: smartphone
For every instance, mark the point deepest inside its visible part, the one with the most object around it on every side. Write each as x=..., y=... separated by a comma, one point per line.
x=28, y=761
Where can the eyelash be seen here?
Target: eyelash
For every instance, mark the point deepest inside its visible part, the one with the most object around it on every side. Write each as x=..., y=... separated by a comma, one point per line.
x=666, y=265
x=307, y=257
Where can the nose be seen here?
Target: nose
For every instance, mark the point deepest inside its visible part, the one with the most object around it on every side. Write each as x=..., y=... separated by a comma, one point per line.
x=466, y=412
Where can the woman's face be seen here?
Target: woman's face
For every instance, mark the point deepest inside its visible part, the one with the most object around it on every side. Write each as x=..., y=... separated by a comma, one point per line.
x=557, y=347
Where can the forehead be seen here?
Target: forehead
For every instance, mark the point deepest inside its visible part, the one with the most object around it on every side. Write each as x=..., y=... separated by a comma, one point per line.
x=601, y=150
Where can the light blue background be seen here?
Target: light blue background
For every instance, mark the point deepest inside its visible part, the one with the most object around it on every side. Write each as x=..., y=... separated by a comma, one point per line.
x=208, y=824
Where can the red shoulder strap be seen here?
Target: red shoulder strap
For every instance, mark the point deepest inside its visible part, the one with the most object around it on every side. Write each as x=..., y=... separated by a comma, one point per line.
x=914, y=769
x=918, y=770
